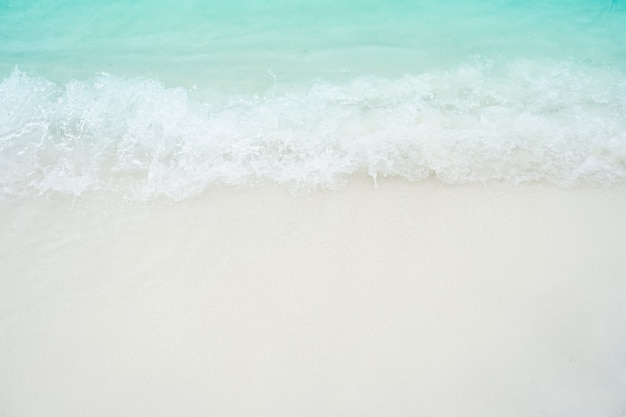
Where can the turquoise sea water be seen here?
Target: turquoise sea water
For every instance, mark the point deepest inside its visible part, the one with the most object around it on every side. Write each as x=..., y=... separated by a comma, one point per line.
x=166, y=98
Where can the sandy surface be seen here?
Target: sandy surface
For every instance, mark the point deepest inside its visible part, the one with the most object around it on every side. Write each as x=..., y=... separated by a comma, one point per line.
x=401, y=300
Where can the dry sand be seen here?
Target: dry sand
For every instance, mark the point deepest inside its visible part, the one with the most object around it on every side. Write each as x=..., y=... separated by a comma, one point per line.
x=401, y=300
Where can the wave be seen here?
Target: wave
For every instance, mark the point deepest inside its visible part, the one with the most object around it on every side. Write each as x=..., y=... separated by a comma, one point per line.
x=562, y=123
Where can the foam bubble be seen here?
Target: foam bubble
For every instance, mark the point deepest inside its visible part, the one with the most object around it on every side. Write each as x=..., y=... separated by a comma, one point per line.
x=523, y=121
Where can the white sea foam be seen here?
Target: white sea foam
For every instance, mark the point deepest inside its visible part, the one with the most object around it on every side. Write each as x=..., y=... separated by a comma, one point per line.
x=523, y=121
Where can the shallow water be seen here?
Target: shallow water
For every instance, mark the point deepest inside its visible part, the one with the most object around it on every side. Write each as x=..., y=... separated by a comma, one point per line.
x=159, y=98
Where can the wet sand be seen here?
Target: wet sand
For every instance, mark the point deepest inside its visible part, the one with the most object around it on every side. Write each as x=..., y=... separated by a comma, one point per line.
x=400, y=300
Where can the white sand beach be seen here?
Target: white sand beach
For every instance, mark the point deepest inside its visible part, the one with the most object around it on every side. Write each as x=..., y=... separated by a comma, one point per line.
x=397, y=300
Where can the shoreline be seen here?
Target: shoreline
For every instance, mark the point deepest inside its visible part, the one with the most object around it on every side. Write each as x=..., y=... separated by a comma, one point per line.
x=401, y=299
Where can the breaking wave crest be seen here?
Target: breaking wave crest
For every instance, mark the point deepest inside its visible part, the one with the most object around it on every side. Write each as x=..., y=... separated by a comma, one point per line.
x=562, y=123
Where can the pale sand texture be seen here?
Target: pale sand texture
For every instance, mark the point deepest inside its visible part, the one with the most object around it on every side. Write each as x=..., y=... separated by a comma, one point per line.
x=405, y=300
